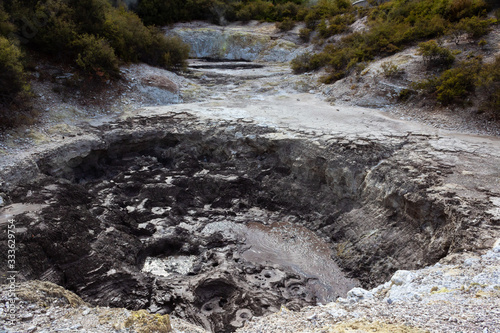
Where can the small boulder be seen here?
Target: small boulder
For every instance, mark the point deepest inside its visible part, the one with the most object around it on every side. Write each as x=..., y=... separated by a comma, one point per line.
x=401, y=277
x=26, y=316
x=359, y=294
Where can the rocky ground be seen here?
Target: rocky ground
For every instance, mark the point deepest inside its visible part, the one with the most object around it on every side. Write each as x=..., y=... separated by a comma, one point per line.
x=429, y=189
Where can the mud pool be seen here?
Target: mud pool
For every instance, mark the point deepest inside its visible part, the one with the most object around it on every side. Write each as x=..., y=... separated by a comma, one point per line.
x=217, y=222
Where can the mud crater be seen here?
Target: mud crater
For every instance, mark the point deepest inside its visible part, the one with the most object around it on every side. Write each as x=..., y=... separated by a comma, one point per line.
x=225, y=222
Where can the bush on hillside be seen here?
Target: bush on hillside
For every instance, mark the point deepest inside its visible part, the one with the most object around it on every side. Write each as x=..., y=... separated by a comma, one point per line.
x=158, y=12
x=256, y=10
x=393, y=26
x=11, y=71
x=455, y=84
x=129, y=39
x=458, y=9
x=435, y=55
x=89, y=15
x=96, y=57
x=12, y=82
x=391, y=70
x=325, y=9
x=489, y=85
x=474, y=26
x=161, y=12
x=334, y=25
x=171, y=52
x=135, y=42
x=287, y=11
x=55, y=37
x=307, y=62
x=286, y=25
x=305, y=34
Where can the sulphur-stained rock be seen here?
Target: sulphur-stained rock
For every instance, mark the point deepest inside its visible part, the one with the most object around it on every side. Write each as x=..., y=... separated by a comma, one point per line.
x=143, y=322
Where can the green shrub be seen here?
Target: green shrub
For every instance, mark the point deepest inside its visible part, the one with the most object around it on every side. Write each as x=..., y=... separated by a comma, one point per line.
x=330, y=8
x=311, y=20
x=322, y=28
x=95, y=57
x=405, y=94
x=334, y=25
x=301, y=63
x=159, y=12
x=286, y=25
x=390, y=70
x=12, y=82
x=459, y=9
x=308, y=62
x=305, y=34
x=5, y=26
x=55, y=37
x=454, y=84
x=257, y=10
x=435, y=55
x=134, y=42
x=489, y=84
x=457, y=83
x=325, y=9
x=162, y=12
x=123, y=30
x=11, y=70
x=174, y=52
x=287, y=10
x=89, y=15
x=126, y=34
x=474, y=26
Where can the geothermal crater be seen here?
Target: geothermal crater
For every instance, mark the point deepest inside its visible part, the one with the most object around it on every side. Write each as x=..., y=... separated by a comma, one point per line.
x=219, y=222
